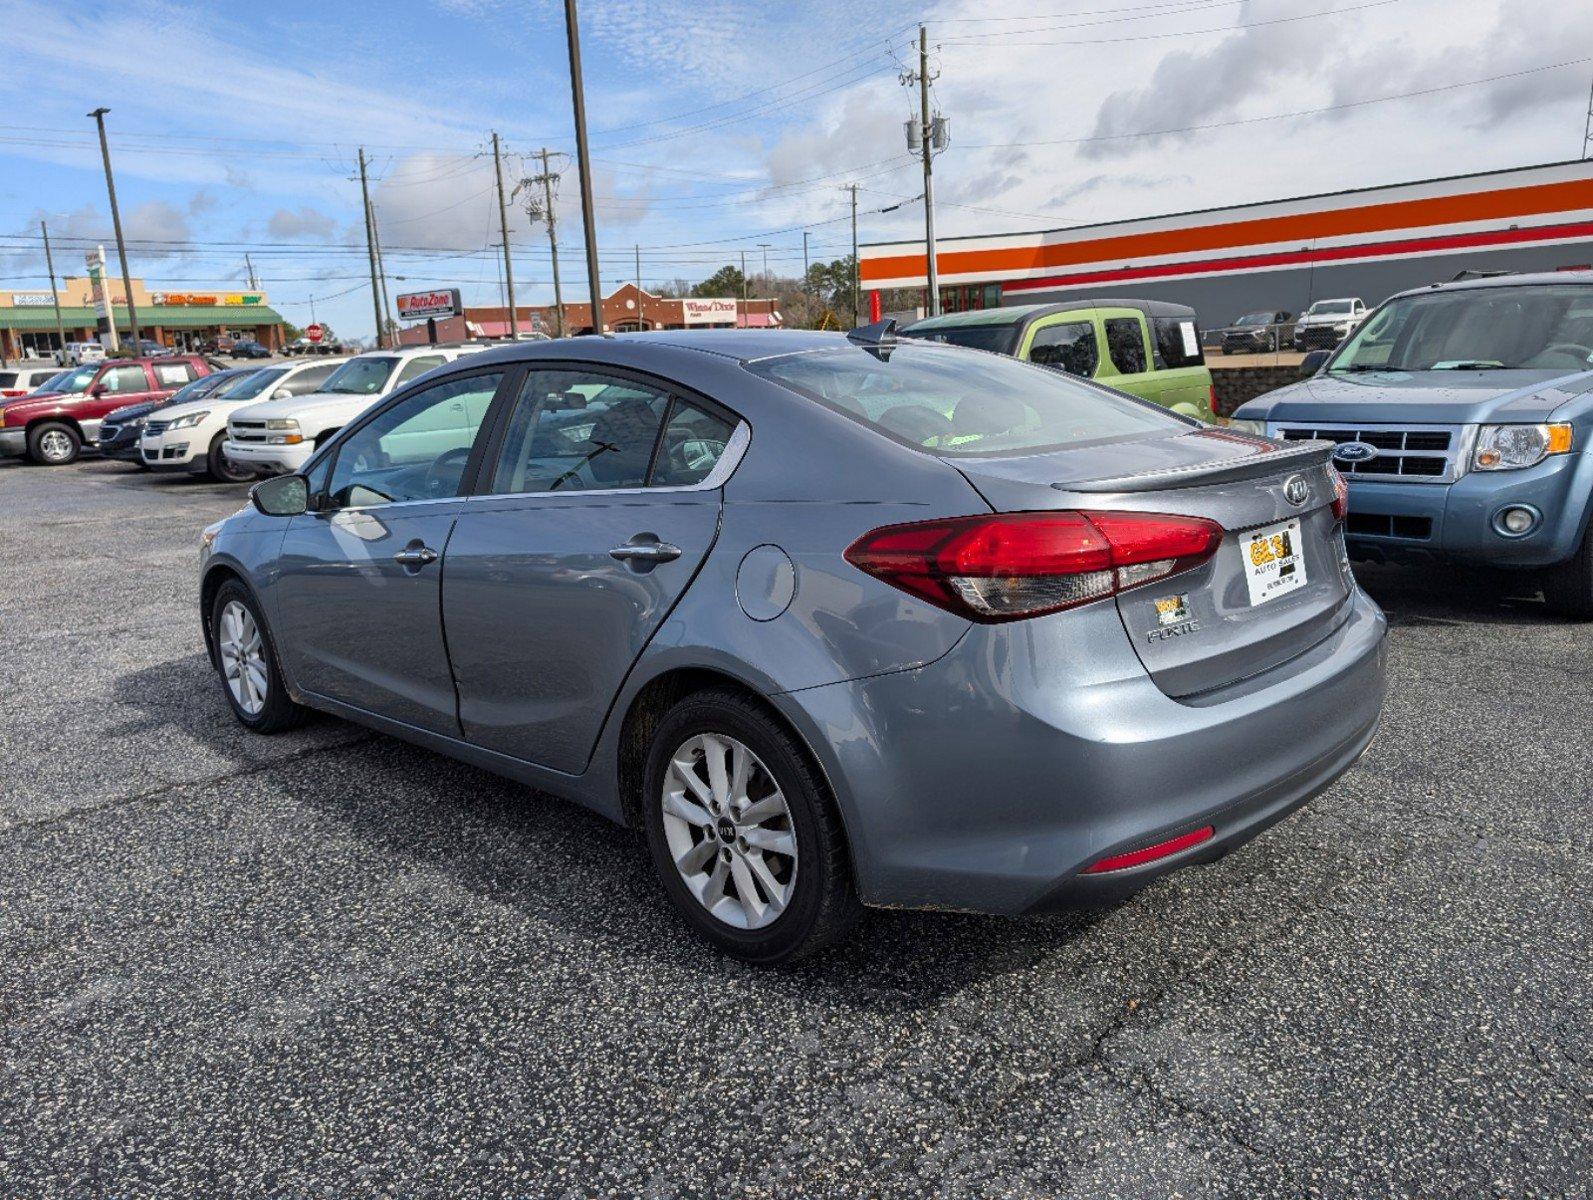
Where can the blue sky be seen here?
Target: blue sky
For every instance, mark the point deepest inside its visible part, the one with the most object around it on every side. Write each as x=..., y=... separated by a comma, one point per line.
x=721, y=126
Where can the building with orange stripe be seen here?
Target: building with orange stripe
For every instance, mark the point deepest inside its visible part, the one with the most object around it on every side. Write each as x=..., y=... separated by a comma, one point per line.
x=1282, y=254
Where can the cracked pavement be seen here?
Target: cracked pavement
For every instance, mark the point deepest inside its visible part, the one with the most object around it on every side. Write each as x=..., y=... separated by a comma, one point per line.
x=329, y=963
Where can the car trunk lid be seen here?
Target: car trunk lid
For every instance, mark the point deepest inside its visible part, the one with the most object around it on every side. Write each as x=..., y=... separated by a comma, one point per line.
x=1277, y=584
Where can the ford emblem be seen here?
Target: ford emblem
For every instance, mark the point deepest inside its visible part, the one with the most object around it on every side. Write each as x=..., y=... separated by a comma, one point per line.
x=1354, y=452
x=1297, y=491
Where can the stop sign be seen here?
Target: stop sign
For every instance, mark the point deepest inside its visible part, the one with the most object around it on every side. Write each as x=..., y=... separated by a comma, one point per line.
x=314, y=332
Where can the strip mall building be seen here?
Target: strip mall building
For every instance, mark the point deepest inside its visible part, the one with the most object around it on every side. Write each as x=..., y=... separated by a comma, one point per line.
x=179, y=319
x=1284, y=254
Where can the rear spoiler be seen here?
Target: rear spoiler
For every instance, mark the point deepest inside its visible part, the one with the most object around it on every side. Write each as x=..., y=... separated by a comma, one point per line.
x=1296, y=456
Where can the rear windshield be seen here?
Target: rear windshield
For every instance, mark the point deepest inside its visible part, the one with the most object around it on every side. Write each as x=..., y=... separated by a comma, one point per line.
x=1002, y=338
x=952, y=403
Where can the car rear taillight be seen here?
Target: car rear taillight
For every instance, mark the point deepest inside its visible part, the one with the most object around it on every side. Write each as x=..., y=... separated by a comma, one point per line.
x=1008, y=566
x=1341, y=495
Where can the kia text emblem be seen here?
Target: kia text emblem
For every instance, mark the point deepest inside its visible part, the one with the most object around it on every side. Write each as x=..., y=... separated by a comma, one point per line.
x=1297, y=491
x=1354, y=452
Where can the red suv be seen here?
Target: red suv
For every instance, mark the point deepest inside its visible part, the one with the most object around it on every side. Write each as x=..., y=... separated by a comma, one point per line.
x=54, y=424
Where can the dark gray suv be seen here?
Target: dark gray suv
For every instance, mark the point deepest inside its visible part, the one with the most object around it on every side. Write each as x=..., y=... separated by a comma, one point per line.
x=834, y=619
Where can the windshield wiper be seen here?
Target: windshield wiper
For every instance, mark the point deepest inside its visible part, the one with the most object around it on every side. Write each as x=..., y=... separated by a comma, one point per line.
x=1478, y=365
x=1354, y=368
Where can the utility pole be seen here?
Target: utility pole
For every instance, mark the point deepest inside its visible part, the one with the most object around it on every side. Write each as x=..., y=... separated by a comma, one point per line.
x=764, y=246
x=254, y=284
x=1587, y=128
x=927, y=137
x=116, y=222
x=584, y=163
x=544, y=211
x=743, y=277
x=370, y=253
x=503, y=224
x=804, y=258
x=857, y=287
x=55, y=293
x=381, y=274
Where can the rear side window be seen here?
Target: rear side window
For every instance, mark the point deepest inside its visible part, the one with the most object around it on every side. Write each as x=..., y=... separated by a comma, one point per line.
x=693, y=443
x=173, y=374
x=1178, y=341
x=579, y=430
x=416, y=367
x=309, y=379
x=1069, y=348
x=951, y=402
x=1125, y=343
x=8, y=379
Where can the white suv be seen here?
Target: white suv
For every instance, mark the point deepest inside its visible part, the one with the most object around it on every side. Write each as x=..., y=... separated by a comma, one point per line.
x=189, y=437
x=279, y=436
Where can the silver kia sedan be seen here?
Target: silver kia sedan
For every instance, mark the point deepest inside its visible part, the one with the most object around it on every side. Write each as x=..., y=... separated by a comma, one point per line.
x=835, y=620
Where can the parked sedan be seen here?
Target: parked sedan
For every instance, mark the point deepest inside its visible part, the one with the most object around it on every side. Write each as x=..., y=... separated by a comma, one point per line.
x=123, y=427
x=248, y=350
x=835, y=620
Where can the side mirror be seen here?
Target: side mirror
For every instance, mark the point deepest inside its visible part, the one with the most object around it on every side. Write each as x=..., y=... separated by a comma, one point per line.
x=99, y=389
x=1312, y=363
x=281, y=394
x=283, y=496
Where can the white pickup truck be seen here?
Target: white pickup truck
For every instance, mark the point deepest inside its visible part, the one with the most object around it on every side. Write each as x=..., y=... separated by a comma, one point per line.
x=277, y=437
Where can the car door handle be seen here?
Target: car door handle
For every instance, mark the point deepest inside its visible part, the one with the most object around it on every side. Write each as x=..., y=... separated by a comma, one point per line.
x=645, y=552
x=415, y=556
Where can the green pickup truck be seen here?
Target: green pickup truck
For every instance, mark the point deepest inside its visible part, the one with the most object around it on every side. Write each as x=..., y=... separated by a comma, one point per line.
x=1148, y=348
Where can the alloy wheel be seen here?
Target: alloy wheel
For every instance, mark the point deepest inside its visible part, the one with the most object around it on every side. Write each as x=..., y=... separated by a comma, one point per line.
x=243, y=662
x=55, y=446
x=729, y=831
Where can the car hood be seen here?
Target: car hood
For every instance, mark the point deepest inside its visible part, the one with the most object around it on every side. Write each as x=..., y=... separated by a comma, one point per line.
x=1421, y=397
x=43, y=401
x=315, y=404
x=131, y=412
x=1324, y=318
x=208, y=405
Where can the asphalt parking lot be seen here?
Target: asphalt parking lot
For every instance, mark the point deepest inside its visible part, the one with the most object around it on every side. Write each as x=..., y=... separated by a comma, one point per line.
x=331, y=964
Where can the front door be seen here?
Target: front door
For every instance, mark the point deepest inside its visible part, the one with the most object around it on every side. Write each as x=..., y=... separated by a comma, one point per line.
x=359, y=596
x=602, y=503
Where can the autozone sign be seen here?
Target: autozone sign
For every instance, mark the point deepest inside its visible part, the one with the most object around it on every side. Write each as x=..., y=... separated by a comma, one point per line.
x=422, y=306
x=709, y=312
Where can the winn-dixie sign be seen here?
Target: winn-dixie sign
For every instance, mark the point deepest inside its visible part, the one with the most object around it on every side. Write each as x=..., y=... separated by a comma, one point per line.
x=422, y=306
x=709, y=312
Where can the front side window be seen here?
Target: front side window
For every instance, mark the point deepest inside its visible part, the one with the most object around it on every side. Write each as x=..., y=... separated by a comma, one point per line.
x=417, y=449
x=416, y=367
x=576, y=430
x=361, y=376
x=1070, y=347
x=125, y=379
x=949, y=402
x=1125, y=343
x=250, y=386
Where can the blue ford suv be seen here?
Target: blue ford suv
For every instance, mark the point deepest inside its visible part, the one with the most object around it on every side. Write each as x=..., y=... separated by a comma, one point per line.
x=1463, y=417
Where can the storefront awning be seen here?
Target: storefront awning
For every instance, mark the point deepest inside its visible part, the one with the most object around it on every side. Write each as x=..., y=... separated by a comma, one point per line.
x=245, y=316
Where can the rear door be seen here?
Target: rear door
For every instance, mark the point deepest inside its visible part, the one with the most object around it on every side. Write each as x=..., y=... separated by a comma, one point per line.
x=600, y=500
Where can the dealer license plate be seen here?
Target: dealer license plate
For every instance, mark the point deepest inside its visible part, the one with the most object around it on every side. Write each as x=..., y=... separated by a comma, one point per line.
x=1274, y=561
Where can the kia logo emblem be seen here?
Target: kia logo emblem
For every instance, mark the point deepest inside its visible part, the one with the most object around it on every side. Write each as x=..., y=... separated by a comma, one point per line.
x=1297, y=491
x=1354, y=452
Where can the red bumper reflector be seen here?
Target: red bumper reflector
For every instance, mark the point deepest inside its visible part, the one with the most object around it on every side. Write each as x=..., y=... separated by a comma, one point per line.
x=1135, y=858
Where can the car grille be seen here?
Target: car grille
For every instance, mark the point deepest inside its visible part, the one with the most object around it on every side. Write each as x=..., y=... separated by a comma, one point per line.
x=1422, y=454
x=154, y=428
x=246, y=431
x=1317, y=337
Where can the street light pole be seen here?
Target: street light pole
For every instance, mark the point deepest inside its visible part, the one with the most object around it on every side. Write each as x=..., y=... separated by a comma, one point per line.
x=116, y=223
x=572, y=30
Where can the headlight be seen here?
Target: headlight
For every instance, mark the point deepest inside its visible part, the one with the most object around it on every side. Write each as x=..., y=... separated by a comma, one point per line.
x=283, y=433
x=1510, y=447
x=292, y=426
x=189, y=419
x=1243, y=425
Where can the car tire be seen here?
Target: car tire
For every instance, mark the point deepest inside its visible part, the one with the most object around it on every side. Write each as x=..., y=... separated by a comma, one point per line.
x=1568, y=587
x=779, y=828
x=54, y=444
x=220, y=468
x=247, y=665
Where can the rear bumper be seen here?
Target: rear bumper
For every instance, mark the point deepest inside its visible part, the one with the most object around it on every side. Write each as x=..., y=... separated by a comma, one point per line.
x=1458, y=521
x=989, y=780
